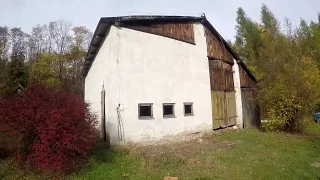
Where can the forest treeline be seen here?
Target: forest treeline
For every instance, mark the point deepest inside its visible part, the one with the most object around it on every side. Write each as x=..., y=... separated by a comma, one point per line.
x=50, y=55
x=285, y=59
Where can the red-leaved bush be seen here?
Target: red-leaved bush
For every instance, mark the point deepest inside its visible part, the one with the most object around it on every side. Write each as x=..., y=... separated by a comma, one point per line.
x=50, y=129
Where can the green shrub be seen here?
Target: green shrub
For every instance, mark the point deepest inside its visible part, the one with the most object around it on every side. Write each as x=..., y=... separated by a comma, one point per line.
x=290, y=96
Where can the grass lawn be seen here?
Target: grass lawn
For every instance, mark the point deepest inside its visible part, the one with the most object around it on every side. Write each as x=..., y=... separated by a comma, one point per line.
x=230, y=154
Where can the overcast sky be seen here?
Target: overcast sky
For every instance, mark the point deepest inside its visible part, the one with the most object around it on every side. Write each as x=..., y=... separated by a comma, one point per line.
x=221, y=13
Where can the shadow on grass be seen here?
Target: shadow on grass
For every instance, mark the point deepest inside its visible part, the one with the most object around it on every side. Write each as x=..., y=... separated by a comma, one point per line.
x=309, y=127
x=100, y=157
x=102, y=153
x=312, y=128
x=107, y=163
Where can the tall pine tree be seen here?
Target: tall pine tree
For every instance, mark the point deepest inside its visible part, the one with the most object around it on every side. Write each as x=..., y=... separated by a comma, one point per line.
x=17, y=71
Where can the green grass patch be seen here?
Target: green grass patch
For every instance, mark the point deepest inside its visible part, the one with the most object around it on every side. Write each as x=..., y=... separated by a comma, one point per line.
x=312, y=128
x=231, y=154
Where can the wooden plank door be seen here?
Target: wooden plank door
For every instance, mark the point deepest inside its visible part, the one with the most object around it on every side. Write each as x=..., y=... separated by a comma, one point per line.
x=218, y=109
x=250, y=108
x=224, y=112
x=231, y=118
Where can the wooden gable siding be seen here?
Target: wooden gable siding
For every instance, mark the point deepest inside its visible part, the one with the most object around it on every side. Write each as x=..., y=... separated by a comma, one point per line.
x=216, y=49
x=179, y=31
x=221, y=76
x=245, y=80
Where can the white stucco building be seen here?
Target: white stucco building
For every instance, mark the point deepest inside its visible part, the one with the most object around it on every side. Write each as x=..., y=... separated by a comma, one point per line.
x=149, y=77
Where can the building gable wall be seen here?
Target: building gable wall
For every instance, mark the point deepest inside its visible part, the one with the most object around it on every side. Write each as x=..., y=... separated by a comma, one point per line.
x=147, y=68
x=156, y=69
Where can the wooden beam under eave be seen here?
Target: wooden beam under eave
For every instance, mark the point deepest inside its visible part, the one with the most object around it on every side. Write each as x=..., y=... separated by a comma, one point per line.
x=215, y=59
x=95, y=45
x=101, y=35
x=94, y=49
x=96, y=42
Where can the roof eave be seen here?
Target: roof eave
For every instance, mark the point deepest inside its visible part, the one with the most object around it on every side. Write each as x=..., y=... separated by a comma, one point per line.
x=95, y=45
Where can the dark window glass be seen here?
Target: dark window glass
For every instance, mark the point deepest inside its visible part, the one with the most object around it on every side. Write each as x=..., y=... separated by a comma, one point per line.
x=188, y=108
x=145, y=110
x=168, y=110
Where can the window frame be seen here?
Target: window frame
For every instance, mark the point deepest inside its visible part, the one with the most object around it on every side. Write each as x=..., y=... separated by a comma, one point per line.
x=145, y=104
x=173, y=115
x=184, y=109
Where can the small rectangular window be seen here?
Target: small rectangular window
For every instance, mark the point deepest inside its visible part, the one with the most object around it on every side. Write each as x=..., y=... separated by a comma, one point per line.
x=145, y=110
x=168, y=110
x=188, y=109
